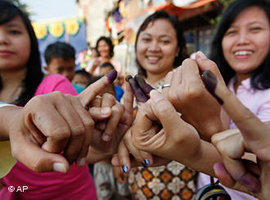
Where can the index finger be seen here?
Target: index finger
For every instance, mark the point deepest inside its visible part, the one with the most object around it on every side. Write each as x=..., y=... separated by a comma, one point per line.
x=253, y=130
x=87, y=95
x=206, y=64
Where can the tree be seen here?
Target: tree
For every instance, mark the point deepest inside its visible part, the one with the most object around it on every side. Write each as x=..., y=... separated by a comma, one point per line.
x=224, y=4
x=22, y=6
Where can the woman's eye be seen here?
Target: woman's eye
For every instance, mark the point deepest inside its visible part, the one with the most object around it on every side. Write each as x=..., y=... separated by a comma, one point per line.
x=230, y=32
x=255, y=29
x=15, y=32
x=146, y=39
x=165, y=41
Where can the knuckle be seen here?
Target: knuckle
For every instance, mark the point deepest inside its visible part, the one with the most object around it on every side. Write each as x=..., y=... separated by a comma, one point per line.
x=172, y=96
x=162, y=107
x=108, y=96
x=118, y=108
x=78, y=131
x=188, y=63
x=60, y=133
x=89, y=123
x=194, y=93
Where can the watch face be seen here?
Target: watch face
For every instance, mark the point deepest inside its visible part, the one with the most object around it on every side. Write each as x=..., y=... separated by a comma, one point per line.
x=212, y=192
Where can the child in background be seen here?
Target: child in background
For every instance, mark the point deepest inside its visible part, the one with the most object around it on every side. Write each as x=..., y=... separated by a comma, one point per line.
x=60, y=59
x=105, y=68
x=21, y=78
x=81, y=77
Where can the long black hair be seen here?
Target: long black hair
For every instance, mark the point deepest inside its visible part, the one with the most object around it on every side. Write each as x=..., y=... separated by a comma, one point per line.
x=260, y=76
x=179, y=34
x=34, y=75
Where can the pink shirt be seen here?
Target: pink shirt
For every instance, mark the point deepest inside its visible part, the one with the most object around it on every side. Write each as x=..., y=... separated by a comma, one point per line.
x=258, y=102
x=75, y=184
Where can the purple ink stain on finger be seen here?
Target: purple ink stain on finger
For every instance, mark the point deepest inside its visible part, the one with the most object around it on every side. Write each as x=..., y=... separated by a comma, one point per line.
x=210, y=81
x=143, y=85
x=112, y=76
x=138, y=92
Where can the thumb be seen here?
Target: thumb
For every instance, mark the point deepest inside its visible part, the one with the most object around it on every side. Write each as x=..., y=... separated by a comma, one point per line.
x=37, y=159
x=254, y=131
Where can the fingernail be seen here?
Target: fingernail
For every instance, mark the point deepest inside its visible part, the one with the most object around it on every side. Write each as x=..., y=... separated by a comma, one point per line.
x=81, y=162
x=219, y=168
x=200, y=55
x=59, y=167
x=105, y=110
x=251, y=182
x=145, y=163
x=106, y=137
x=128, y=77
x=156, y=96
x=124, y=168
x=210, y=81
x=112, y=76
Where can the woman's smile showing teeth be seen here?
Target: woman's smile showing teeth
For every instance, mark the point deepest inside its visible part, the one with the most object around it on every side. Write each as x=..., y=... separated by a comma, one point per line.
x=152, y=59
x=242, y=53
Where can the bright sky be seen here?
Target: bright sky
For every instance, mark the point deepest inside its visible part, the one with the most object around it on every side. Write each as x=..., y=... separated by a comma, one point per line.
x=47, y=10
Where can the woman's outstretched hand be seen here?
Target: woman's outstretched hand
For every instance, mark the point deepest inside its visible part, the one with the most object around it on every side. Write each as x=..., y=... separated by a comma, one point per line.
x=54, y=123
x=254, y=138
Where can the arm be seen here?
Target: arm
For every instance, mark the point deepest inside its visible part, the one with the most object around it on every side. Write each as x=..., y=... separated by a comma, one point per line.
x=7, y=112
x=49, y=124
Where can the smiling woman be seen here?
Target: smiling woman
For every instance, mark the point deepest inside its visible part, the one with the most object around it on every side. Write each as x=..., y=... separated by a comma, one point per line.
x=241, y=49
x=160, y=47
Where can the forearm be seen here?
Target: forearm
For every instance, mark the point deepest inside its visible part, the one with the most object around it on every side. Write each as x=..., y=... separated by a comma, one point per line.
x=7, y=113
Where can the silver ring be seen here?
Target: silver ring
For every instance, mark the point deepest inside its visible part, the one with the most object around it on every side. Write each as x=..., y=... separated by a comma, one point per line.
x=165, y=85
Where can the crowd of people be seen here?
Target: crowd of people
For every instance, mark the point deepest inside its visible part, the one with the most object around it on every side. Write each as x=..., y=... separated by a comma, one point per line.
x=197, y=129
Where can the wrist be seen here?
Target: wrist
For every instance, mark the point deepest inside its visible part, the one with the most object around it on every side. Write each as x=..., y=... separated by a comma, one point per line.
x=7, y=113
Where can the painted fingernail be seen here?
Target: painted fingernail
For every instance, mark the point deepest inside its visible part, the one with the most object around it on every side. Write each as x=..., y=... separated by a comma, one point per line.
x=81, y=162
x=251, y=182
x=59, y=167
x=124, y=168
x=143, y=85
x=112, y=76
x=145, y=163
x=210, y=81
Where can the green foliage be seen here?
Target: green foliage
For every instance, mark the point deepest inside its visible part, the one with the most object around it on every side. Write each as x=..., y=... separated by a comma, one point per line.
x=22, y=6
x=225, y=4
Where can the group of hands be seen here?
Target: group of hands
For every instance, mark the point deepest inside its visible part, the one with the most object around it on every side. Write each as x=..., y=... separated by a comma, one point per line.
x=184, y=122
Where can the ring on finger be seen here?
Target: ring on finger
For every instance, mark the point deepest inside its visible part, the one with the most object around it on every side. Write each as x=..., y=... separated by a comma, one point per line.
x=165, y=85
